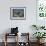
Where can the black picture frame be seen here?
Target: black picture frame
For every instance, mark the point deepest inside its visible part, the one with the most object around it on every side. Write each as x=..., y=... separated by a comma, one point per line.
x=17, y=13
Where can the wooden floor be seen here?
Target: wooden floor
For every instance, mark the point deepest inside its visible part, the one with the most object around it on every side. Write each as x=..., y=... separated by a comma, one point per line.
x=13, y=44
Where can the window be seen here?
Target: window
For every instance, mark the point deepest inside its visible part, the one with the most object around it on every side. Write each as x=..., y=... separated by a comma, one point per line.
x=41, y=8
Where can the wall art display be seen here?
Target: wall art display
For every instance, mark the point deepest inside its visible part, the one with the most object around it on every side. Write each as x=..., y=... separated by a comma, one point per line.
x=18, y=13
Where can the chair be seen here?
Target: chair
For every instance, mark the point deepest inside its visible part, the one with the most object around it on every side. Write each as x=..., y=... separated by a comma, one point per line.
x=14, y=32
x=26, y=41
x=7, y=35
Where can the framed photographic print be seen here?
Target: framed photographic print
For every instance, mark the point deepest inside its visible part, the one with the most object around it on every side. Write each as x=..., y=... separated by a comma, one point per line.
x=18, y=13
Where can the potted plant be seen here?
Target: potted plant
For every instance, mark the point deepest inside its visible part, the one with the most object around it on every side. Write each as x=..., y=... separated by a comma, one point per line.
x=39, y=35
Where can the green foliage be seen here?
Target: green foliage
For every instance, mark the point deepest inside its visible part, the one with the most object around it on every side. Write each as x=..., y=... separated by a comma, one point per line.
x=40, y=27
x=35, y=27
x=39, y=35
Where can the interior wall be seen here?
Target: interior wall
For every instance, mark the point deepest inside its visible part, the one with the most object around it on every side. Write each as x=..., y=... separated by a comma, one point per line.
x=23, y=25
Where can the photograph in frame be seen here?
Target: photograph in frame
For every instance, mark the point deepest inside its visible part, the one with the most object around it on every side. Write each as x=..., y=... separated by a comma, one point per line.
x=18, y=13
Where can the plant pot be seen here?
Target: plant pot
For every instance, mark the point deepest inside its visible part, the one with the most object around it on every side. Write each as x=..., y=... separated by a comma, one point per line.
x=40, y=40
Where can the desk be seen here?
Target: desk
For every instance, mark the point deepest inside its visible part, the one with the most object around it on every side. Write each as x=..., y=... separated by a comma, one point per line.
x=8, y=34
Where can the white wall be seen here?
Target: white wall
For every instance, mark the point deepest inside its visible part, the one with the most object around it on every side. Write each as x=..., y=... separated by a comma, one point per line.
x=24, y=25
